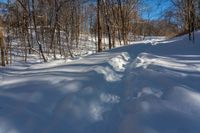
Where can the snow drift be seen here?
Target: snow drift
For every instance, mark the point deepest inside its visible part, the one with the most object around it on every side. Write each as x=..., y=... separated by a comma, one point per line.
x=143, y=88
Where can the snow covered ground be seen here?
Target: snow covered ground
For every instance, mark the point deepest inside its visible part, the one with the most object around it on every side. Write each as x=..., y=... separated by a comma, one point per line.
x=149, y=87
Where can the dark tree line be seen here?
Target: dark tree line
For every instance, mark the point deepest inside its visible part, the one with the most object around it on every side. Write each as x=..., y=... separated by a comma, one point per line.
x=55, y=27
x=188, y=14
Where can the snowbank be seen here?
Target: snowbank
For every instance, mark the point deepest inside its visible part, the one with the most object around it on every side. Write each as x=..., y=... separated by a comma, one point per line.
x=141, y=88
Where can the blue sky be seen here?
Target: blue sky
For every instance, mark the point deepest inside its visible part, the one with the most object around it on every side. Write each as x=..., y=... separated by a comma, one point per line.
x=152, y=9
x=4, y=1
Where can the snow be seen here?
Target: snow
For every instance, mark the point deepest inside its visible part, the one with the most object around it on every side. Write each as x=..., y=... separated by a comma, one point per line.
x=148, y=87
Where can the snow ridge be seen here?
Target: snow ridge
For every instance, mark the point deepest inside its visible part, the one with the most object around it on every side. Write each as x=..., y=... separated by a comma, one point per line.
x=140, y=88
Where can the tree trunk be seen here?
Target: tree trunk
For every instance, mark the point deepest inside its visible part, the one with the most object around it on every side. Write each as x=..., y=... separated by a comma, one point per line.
x=99, y=28
x=35, y=28
x=2, y=49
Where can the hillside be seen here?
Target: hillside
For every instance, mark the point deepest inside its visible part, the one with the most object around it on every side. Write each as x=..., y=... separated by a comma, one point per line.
x=149, y=87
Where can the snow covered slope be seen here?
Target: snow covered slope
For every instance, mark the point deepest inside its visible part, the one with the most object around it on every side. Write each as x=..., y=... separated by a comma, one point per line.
x=150, y=87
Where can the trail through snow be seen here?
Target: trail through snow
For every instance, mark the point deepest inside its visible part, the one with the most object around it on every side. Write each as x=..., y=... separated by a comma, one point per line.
x=142, y=88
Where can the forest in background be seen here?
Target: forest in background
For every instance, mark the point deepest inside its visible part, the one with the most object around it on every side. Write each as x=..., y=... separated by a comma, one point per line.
x=55, y=27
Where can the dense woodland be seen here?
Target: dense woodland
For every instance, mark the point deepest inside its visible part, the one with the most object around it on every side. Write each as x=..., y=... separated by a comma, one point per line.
x=54, y=27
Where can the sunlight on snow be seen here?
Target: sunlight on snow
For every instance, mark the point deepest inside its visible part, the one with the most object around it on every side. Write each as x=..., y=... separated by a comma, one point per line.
x=145, y=60
x=109, y=98
x=150, y=91
x=183, y=99
x=109, y=74
x=12, y=82
x=114, y=91
x=119, y=62
x=96, y=111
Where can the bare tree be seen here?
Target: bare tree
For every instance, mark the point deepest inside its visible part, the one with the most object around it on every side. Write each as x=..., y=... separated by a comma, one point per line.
x=99, y=26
